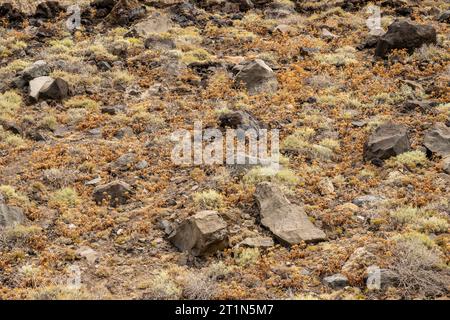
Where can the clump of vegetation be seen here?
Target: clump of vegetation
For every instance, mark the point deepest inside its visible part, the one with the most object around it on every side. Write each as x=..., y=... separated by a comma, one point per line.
x=260, y=174
x=300, y=142
x=196, y=56
x=411, y=159
x=422, y=220
x=10, y=102
x=10, y=139
x=163, y=287
x=66, y=197
x=341, y=57
x=419, y=269
x=10, y=194
x=247, y=256
x=198, y=286
x=82, y=102
x=209, y=199
x=21, y=232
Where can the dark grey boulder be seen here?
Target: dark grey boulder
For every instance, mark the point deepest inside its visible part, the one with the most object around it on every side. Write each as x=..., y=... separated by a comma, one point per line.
x=387, y=141
x=405, y=35
x=115, y=193
x=437, y=140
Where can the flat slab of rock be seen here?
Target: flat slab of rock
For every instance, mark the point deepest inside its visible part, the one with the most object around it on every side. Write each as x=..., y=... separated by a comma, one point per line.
x=258, y=242
x=388, y=140
x=437, y=140
x=288, y=222
x=405, y=35
x=257, y=77
x=10, y=215
x=115, y=193
x=202, y=234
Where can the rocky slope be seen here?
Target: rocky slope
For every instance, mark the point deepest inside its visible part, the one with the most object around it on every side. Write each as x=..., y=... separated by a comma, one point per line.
x=93, y=207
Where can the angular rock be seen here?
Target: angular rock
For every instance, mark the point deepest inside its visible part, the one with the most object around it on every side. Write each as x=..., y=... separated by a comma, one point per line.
x=258, y=242
x=159, y=43
x=405, y=35
x=258, y=77
x=88, y=253
x=9, y=215
x=387, y=141
x=55, y=90
x=416, y=105
x=336, y=281
x=380, y=279
x=116, y=193
x=326, y=34
x=124, y=162
x=367, y=200
x=156, y=23
x=288, y=222
x=37, y=84
x=239, y=120
x=38, y=69
x=202, y=234
x=437, y=140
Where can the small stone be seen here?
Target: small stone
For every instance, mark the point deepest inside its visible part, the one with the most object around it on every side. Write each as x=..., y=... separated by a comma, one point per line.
x=258, y=77
x=326, y=187
x=124, y=162
x=367, y=200
x=116, y=193
x=326, y=34
x=141, y=165
x=88, y=253
x=336, y=281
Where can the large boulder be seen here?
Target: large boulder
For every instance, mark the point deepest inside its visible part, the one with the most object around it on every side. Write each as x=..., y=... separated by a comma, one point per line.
x=288, y=222
x=437, y=140
x=202, y=234
x=405, y=35
x=58, y=89
x=10, y=215
x=115, y=193
x=387, y=141
x=257, y=77
x=48, y=88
